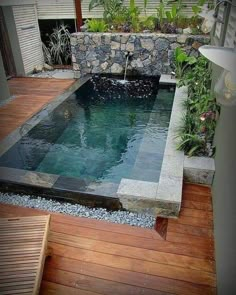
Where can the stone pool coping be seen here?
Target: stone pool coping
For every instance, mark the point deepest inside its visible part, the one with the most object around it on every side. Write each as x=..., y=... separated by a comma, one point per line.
x=161, y=198
x=200, y=170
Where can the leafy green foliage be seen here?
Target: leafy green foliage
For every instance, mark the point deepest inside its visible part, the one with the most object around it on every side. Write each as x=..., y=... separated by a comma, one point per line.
x=120, y=17
x=182, y=62
x=175, y=12
x=134, y=12
x=96, y=25
x=198, y=127
x=148, y=23
x=161, y=12
x=111, y=8
x=58, y=51
x=170, y=16
x=145, y=3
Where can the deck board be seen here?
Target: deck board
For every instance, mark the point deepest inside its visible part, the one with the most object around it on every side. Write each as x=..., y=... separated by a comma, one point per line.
x=30, y=96
x=93, y=257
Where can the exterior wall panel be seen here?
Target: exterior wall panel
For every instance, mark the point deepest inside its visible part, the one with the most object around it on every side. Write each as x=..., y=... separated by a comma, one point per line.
x=29, y=36
x=59, y=9
x=56, y=9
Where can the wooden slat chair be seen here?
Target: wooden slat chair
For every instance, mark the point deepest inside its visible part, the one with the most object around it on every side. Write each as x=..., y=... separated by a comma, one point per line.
x=23, y=249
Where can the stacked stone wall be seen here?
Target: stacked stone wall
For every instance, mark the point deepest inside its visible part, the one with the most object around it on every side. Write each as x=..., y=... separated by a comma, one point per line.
x=151, y=54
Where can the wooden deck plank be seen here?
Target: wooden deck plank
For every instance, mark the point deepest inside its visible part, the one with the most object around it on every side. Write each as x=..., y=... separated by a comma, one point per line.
x=30, y=96
x=104, y=286
x=126, y=240
x=57, y=289
x=136, y=265
x=123, y=239
x=132, y=252
x=93, y=257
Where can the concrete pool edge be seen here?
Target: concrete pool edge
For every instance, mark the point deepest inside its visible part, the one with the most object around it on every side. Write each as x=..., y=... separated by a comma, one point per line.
x=176, y=168
x=46, y=185
x=162, y=198
x=200, y=170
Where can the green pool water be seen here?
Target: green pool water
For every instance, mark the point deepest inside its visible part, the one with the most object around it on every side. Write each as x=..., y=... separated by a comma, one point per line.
x=102, y=137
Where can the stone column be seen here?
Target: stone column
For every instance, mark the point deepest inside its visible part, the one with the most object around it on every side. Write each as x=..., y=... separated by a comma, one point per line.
x=4, y=89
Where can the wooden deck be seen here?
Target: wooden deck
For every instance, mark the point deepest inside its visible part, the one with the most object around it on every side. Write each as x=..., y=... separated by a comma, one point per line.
x=95, y=257
x=31, y=94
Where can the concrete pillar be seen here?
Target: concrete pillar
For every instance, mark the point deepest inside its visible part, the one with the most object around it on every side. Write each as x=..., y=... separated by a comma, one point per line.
x=14, y=41
x=4, y=89
x=224, y=201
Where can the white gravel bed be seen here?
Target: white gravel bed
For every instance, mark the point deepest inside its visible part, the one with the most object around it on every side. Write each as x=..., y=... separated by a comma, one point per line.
x=123, y=217
x=50, y=74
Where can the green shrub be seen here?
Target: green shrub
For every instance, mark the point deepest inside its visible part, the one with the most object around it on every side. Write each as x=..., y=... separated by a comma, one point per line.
x=148, y=23
x=196, y=134
x=182, y=62
x=96, y=25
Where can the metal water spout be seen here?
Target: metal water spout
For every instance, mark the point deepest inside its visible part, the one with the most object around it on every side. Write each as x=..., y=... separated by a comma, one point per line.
x=128, y=54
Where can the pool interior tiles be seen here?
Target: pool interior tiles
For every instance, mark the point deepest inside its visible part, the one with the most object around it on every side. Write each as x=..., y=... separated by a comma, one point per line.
x=139, y=157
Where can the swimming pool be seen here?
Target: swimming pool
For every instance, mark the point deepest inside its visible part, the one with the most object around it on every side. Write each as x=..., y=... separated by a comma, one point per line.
x=106, y=131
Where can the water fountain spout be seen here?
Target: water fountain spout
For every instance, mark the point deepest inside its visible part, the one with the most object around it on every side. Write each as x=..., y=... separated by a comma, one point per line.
x=128, y=54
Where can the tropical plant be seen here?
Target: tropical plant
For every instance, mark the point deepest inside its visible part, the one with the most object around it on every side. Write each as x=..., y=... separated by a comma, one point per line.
x=148, y=23
x=134, y=12
x=58, y=51
x=145, y=3
x=161, y=13
x=46, y=54
x=111, y=7
x=195, y=20
x=182, y=62
x=198, y=79
x=172, y=14
x=191, y=144
x=96, y=25
x=198, y=7
x=175, y=12
x=198, y=127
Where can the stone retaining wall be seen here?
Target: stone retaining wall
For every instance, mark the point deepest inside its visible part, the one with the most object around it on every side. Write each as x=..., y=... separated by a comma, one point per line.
x=152, y=53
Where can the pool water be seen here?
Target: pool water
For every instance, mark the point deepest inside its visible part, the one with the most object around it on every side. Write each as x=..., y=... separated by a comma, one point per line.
x=104, y=132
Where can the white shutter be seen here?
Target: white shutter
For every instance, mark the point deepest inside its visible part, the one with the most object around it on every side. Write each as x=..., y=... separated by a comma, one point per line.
x=29, y=36
x=56, y=9
x=65, y=9
x=230, y=38
x=151, y=8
